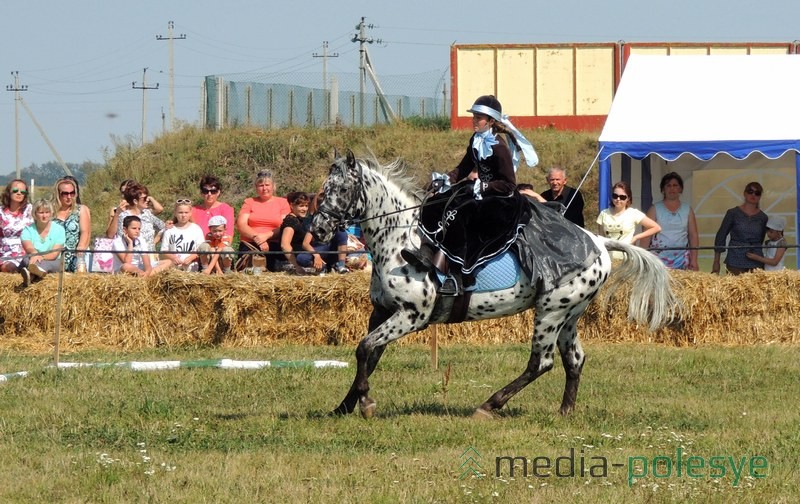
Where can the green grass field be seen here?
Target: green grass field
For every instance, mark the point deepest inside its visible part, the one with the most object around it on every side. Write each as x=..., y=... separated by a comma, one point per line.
x=728, y=416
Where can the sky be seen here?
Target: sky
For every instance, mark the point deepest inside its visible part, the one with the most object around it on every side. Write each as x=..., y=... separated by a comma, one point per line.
x=80, y=58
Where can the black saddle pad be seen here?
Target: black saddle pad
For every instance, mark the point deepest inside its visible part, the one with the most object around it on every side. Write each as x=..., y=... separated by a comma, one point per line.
x=551, y=249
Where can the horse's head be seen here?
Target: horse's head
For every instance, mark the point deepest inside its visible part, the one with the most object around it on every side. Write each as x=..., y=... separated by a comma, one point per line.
x=342, y=197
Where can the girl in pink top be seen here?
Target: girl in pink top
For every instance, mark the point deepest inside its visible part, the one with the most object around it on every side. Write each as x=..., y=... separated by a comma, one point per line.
x=260, y=219
x=210, y=188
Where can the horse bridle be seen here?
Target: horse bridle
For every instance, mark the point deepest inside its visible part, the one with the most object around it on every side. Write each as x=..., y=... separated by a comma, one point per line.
x=343, y=218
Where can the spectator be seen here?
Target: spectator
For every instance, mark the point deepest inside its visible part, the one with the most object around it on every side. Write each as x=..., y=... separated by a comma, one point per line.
x=128, y=251
x=45, y=240
x=746, y=225
x=76, y=221
x=339, y=243
x=113, y=222
x=260, y=219
x=775, y=245
x=293, y=231
x=15, y=215
x=527, y=190
x=216, y=241
x=568, y=196
x=184, y=237
x=619, y=221
x=678, y=227
x=357, y=256
x=138, y=201
x=211, y=188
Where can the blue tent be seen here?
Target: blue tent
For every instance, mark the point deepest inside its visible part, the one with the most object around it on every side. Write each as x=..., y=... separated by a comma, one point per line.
x=669, y=109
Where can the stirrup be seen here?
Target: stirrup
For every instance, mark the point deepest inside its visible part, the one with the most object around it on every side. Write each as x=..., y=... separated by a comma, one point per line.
x=450, y=287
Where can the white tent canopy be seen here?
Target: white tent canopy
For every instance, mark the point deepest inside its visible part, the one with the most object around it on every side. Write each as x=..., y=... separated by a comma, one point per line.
x=703, y=106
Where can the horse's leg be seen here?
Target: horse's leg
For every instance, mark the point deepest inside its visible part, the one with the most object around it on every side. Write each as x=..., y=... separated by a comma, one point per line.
x=569, y=345
x=547, y=324
x=369, y=351
x=368, y=359
x=573, y=357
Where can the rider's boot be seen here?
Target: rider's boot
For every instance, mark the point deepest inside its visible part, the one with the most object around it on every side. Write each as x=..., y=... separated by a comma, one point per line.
x=421, y=257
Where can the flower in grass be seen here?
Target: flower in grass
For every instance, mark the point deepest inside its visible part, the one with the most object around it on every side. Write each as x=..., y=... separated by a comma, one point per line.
x=104, y=460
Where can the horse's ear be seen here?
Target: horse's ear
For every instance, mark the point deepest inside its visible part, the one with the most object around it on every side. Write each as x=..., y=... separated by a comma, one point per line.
x=335, y=154
x=351, y=159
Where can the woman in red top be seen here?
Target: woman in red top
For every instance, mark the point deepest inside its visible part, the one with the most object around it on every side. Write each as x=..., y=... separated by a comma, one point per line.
x=260, y=219
x=210, y=188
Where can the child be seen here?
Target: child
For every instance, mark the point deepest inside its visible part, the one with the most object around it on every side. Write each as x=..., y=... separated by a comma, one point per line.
x=216, y=241
x=293, y=231
x=184, y=237
x=775, y=245
x=128, y=257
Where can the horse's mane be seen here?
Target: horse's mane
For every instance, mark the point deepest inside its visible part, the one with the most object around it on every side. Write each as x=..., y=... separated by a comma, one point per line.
x=397, y=172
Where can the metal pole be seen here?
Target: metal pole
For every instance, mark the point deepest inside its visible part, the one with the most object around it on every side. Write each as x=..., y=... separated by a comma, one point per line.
x=16, y=88
x=46, y=138
x=144, y=87
x=326, y=115
x=170, y=38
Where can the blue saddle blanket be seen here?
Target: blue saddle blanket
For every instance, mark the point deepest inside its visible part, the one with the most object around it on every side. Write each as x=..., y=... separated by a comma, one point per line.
x=500, y=273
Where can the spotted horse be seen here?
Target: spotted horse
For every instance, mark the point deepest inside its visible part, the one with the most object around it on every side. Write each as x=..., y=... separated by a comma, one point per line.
x=404, y=298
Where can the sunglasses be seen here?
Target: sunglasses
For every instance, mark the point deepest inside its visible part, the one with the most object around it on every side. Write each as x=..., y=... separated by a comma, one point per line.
x=753, y=191
x=67, y=193
x=21, y=191
x=621, y=197
x=264, y=174
x=183, y=202
x=209, y=190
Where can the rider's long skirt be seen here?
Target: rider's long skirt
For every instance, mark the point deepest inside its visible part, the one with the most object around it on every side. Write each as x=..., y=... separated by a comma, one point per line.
x=471, y=232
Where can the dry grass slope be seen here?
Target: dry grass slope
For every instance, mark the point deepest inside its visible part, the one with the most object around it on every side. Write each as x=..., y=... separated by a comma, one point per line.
x=178, y=309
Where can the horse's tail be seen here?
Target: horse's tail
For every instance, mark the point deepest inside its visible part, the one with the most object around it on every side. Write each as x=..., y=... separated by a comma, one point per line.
x=652, y=300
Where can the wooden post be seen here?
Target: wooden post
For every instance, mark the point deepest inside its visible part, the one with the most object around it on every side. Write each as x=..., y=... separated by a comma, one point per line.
x=58, y=312
x=434, y=340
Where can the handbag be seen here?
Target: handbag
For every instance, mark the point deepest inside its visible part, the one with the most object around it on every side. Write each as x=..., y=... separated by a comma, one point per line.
x=251, y=260
x=102, y=259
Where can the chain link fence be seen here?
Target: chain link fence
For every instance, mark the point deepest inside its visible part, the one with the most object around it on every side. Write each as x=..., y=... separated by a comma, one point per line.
x=301, y=99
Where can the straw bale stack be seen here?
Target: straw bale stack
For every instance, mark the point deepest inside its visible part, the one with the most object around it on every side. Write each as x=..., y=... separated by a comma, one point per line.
x=182, y=309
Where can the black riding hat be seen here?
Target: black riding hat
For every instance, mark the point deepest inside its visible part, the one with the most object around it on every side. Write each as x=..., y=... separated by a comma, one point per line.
x=487, y=105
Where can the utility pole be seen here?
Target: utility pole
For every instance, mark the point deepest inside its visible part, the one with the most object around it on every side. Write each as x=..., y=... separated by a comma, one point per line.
x=362, y=39
x=144, y=87
x=170, y=38
x=16, y=88
x=325, y=57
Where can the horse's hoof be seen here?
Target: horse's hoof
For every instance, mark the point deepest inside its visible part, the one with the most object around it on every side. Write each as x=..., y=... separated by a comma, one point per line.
x=482, y=414
x=367, y=407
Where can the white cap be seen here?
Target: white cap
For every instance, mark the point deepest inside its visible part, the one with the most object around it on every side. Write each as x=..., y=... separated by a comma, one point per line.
x=777, y=223
x=217, y=220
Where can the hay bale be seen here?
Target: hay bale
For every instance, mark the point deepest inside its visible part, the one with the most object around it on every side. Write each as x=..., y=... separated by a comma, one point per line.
x=182, y=309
